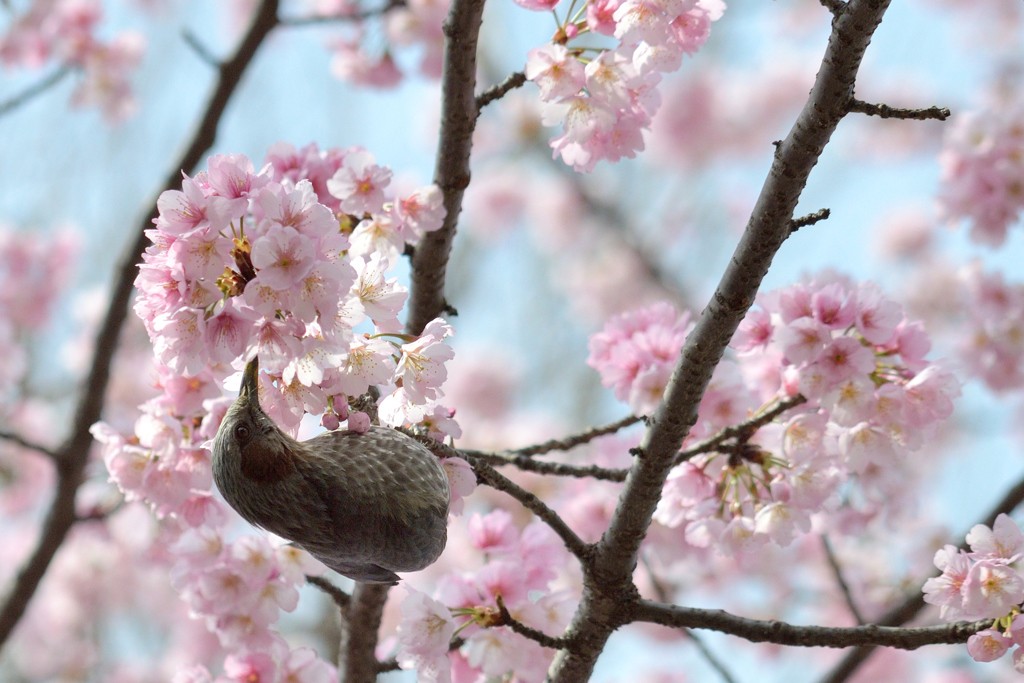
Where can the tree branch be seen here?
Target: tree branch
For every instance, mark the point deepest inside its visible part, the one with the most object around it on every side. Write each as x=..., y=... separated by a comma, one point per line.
x=781, y=633
x=451, y=173
x=886, y=112
x=31, y=92
x=836, y=7
x=73, y=455
x=320, y=19
x=702, y=647
x=609, y=576
x=837, y=571
x=357, y=659
x=495, y=480
x=340, y=597
x=912, y=606
x=526, y=631
x=569, y=442
x=809, y=219
x=496, y=92
x=743, y=430
x=203, y=52
x=557, y=469
x=24, y=443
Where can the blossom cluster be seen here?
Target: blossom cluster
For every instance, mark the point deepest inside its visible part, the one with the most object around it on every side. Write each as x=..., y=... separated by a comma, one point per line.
x=991, y=346
x=985, y=583
x=32, y=272
x=64, y=31
x=284, y=263
x=237, y=586
x=983, y=172
x=605, y=101
x=416, y=23
x=281, y=263
x=519, y=570
x=865, y=398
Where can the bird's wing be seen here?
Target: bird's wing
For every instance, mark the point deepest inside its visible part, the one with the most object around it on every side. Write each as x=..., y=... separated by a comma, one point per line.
x=385, y=469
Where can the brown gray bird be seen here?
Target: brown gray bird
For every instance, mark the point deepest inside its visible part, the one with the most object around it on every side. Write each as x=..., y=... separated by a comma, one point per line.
x=366, y=505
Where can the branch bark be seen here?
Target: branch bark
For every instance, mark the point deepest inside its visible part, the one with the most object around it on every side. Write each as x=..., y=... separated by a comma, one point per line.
x=429, y=263
x=73, y=455
x=912, y=606
x=609, y=576
x=357, y=660
x=458, y=120
x=782, y=633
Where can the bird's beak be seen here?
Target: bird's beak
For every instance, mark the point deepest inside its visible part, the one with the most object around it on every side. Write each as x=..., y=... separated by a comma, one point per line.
x=250, y=384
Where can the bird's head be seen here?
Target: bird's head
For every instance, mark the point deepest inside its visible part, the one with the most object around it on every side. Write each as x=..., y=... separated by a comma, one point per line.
x=248, y=437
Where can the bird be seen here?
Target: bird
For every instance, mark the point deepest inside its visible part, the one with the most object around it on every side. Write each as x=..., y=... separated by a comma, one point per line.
x=367, y=504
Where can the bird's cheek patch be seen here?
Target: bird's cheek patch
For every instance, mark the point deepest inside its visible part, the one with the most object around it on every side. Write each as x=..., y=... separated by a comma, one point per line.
x=265, y=464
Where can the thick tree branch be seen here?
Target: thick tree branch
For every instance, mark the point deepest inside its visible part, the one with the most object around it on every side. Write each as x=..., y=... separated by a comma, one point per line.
x=429, y=263
x=73, y=455
x=609, y=576
x=912, y=606
x=494, y=479
x=496, y=92
x=33, y=91
x=451, y=173
x=886, y=112
x=781, y=633
x=357, y=659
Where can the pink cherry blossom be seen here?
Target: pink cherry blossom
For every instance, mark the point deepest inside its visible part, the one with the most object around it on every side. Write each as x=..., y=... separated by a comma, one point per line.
x=988, y=645
x=360, y=183
x=555, y=71
x=283, y=256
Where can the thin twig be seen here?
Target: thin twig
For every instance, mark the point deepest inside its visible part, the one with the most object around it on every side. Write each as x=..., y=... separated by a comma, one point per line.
x=192, y=40
x=713, y=661
x=495, y=480
x=743, y=430
x=568, y=442
x=340, y=597
x=527, y=632
x=29, y=93
x=391, y=663
x=886, y=112
x=74, y=453
x=557, y=469
x=781, y=633
x=836, y=7
x=837, y=571
x=809, y=219
x=25, y=443
x=912, y=606
x=496, y=92
x=320, y=19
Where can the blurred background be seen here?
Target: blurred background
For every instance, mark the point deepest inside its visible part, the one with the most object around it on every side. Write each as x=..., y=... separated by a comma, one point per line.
x=544, y=255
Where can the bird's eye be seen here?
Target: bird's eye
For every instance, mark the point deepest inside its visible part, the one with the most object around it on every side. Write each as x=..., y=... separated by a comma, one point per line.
x=242, y=432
